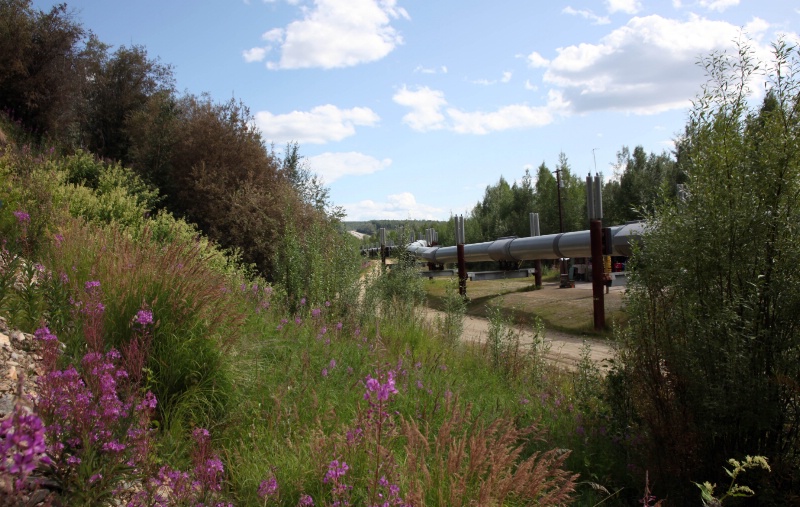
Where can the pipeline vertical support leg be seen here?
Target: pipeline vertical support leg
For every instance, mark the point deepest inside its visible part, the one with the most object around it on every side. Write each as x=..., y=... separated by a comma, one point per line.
x=462, y=271
x=383, y=256
x=537, y=265
x=598, y=284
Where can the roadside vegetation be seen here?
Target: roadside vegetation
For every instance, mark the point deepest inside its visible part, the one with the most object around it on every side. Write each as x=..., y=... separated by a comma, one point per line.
x=208, y=336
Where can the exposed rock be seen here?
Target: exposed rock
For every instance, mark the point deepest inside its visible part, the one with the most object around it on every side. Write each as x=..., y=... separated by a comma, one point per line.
x=19, y=360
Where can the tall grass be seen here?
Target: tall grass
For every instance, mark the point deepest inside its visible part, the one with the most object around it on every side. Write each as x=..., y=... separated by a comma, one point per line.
x=195, y=308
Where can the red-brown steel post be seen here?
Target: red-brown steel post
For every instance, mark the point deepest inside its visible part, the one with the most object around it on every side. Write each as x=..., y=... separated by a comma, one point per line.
x=462, y=271
x=598, y=283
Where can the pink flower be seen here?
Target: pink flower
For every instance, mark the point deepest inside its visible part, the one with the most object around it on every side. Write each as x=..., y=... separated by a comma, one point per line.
x=22, y=217
x=268, y=488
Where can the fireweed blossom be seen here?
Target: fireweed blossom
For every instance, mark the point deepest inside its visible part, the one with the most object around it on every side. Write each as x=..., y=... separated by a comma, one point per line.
x=268, y=488
x=22, y=444
x=22, y=217
x=377, y=391
x=143, y=317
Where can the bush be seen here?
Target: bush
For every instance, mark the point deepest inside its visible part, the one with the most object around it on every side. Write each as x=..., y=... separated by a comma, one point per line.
x=709, y=362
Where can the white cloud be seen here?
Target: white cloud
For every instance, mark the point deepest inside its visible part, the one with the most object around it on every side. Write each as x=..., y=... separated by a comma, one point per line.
x=430, y=70
x=536, y=60
x=506, y=77
x=274, y=35
x=338, y=33
x=255, y=54
x=586, y=14
x=530, y=86
x=508, y=117
x=332, y=166
x=427, y=114
x=756, y=27
x=320, y=125
x=425, y=105
x=647, y=66
x=626, y=6
x=400, y=206
x=718, y=5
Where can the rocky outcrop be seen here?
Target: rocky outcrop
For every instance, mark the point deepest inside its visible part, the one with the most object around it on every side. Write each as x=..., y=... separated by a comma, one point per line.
x=19, y=361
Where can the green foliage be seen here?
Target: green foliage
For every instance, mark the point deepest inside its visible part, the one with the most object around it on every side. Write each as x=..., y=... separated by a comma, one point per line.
x=715, y=327
x=734, y=490
x=193, y=304
x=320, y=265
x=102, y=193
x=455, y=307
x=396, y=292
x=39, y=66
x=644, y=181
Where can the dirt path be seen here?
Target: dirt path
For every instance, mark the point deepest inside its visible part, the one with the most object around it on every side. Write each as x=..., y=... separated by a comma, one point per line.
x=565, y=349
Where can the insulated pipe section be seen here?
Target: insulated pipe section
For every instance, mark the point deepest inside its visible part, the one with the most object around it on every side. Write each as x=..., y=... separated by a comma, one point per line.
x=552, y=246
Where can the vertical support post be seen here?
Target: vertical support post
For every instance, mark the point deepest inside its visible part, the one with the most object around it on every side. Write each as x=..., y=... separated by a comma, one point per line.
x=594, y=204
x=382, y=236
x=537, y=264
x=462, y=262
x=598, y=282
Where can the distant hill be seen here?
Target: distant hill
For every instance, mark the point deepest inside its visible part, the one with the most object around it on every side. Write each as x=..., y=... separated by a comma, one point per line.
x=370, y=227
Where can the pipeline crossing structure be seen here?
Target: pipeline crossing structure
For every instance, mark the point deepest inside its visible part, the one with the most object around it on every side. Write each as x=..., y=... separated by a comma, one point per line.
x=593, y=243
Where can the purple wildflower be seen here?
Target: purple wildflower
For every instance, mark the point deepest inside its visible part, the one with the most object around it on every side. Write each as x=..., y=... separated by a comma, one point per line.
x=316, y=312
x=305, y=501
x=22, y=217
x=382, y=391
x=88, y=286
x=303, y=302
x=327, y=304
x=144, y=317
x=335, y=471
x=268, y=488
x=22, y=443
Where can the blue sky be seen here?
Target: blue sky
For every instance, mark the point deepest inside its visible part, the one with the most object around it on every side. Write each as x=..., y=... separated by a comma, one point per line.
x=410, y=108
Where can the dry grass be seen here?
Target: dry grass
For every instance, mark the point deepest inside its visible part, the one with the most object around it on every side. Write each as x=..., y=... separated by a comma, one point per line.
x=568, y=310
x=468, y=462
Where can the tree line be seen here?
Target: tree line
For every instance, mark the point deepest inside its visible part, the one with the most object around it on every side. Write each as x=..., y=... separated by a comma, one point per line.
x=210, y=165
x=643, y=179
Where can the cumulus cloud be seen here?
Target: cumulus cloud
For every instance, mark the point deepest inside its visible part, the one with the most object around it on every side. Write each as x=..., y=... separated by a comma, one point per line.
x=506, y=77
x=320, y=125
x=536, y=60
x=255, y=54
x=647, y=66
x=626, y=6
x=425, y=105
x=333, y=166
x=506, y=118
x=586, y=14
x=338, y=33
x=400, y=206
x=718, y=5
x=429, y=111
